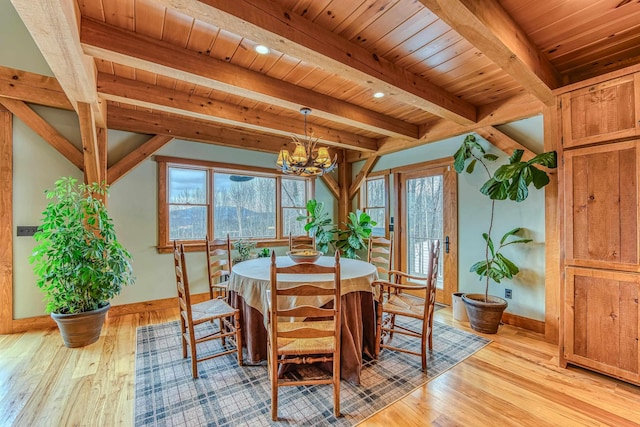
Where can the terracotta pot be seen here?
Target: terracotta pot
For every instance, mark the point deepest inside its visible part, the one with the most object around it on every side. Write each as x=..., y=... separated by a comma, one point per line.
x=484, y=316
x=81, y=329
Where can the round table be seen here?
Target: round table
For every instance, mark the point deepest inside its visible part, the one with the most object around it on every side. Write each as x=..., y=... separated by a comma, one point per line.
x=251, y=279
x=248, y=287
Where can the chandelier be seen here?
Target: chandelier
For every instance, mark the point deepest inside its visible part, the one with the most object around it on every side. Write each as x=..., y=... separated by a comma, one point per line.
x=306, y=160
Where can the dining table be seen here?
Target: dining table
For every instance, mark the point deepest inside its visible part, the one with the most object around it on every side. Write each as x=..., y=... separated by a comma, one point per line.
x=250, y=281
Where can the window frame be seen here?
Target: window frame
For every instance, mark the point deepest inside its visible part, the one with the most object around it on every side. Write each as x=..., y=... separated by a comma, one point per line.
x=363, y=198
x=165, y=245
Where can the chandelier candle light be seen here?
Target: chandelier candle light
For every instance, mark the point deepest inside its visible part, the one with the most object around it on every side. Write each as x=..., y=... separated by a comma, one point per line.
x=306, y=160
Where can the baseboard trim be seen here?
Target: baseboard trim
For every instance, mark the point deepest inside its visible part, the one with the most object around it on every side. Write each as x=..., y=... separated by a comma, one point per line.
x=523, y=322
x=46, y=322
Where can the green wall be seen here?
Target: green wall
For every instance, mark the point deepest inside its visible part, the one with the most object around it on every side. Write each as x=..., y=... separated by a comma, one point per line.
x=134, y=208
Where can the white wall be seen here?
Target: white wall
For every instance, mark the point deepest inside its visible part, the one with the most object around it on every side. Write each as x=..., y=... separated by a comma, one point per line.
x=473, y=218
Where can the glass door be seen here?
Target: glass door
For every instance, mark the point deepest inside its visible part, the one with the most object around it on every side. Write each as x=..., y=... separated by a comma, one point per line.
x=428, y=211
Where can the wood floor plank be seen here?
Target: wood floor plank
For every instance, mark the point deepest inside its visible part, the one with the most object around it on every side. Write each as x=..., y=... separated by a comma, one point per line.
x=514, y=381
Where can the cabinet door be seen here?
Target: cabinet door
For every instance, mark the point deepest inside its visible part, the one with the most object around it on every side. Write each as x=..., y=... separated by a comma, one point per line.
x=601, y=206
x=601, y=112
x=601, y=321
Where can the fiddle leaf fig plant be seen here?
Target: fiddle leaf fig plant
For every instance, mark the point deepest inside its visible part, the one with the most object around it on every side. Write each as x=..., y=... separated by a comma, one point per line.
x=354, y=237
x=319, y=224
x=78, y=260
x=510, y=181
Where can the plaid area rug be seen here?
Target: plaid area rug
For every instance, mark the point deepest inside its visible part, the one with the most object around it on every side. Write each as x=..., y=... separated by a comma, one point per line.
x=230, y=395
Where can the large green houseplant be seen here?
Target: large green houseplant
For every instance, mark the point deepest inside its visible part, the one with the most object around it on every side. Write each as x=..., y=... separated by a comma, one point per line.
x=354, y=237
x=319, y=225
x=509, y=182
x=79, y=262
x=348, y=241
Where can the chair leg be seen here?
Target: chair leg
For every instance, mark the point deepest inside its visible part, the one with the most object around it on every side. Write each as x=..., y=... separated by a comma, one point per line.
x=431, y=333
x=336, y=385
x=236, y=318
x=378, y=330
x=274, y=389
x=392, y=327
x=423, y=347
x=222, y=331
x=183, y=331
x=194, y=353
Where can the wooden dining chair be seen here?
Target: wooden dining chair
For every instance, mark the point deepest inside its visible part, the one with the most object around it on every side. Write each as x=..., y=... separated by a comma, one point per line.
x=219, y=266
x=294, y=341
x=380, y=254
x=192, y=315
x=301, y=242
x=409, y=296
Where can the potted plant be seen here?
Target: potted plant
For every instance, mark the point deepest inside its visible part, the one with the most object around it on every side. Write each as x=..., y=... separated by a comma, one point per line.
x=510, y=181
x=354, y=238
x=319, y=224
x=79, y=262
x=244, y=248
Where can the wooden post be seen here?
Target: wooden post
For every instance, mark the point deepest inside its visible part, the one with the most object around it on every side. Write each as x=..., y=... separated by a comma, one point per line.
x=344, y=181
x=6, y=225
x=553, y=228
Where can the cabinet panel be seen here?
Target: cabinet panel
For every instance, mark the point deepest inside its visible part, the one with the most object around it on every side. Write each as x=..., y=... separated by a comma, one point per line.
x=601, y=206
x=601, y=321
x=601, y=112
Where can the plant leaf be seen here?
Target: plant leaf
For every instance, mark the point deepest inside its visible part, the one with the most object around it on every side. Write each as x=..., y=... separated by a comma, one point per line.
x=471, y=166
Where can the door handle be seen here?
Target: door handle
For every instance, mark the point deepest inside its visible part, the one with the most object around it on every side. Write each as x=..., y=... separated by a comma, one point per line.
x=446, y=244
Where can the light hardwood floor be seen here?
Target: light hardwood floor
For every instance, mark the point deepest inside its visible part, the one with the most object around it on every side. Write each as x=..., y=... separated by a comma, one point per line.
x=514, y=381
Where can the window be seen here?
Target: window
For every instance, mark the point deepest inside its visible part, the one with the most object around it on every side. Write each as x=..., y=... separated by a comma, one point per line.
x=374, y=201
x=198, y=199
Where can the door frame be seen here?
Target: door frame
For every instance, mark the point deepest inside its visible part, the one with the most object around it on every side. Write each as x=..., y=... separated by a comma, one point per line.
x=449, y=253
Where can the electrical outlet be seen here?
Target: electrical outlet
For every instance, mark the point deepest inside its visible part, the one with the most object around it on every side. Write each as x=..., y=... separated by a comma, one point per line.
x=27, y=230
x=507, y=293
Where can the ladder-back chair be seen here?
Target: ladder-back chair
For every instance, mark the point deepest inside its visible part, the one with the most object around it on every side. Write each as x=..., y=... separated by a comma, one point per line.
x=218, y=266
x=301, y=242
x=380, y=254
x=395, y=300
x=192, y=315
x=294, y=341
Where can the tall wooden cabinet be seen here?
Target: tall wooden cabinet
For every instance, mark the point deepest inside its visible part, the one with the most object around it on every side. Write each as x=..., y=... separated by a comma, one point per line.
x=601, y=171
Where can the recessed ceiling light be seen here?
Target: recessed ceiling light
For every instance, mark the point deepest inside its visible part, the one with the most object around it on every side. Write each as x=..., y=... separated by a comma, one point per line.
x=378, y=95
x=262, y=50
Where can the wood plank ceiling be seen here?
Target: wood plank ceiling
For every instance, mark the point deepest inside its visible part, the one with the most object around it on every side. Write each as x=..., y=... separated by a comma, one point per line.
x=188, y=68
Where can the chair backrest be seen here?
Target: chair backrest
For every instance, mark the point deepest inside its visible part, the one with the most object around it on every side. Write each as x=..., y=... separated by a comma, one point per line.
x=301, y=242
x=294, y=305
x=182, y=281
x=380, y=254
x=430, y=281
x=218, y=259
x=432, y=274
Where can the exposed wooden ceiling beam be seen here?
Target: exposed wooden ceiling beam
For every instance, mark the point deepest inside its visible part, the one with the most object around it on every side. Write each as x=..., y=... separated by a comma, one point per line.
x=54, y=28
x=486, y=25
x=141, y=94
x=128, y=48
x=136, y=156
x=504, y=142
x=332, y=185
x=45, y=130
x=364, y=172
x=32, y=88
x=497, y=113
x=265, y=22
x=192, y=129
x=91, y=153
